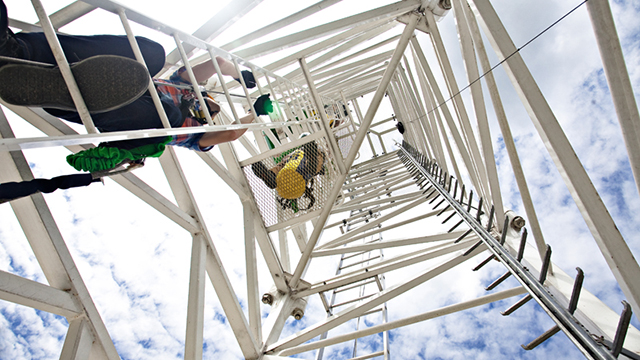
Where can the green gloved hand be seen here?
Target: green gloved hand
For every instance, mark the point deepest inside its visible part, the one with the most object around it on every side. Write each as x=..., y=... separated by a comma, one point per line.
x=263, y=105
x=105, y=158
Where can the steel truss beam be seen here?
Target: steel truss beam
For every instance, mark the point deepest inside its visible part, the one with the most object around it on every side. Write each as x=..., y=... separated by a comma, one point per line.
x=55, y=260
x=613, y=247
x=376, y=329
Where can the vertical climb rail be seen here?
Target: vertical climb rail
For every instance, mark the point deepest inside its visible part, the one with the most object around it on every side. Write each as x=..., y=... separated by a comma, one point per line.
x=562, y=317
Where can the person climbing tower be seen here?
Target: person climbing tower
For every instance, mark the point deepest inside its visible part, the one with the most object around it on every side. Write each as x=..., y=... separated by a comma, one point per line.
x=292, y=176
x=114, y=87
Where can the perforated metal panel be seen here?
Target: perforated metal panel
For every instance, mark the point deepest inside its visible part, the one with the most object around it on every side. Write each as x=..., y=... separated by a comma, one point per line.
x=344, y=141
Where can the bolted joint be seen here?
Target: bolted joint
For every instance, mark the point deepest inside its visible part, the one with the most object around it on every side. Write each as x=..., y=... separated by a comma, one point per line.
x=297, y=313
x=518, y=223
x=267, y=299
x=445, y=4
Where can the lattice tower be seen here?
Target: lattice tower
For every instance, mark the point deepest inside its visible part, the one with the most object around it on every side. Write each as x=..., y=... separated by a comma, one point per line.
x=385, y=219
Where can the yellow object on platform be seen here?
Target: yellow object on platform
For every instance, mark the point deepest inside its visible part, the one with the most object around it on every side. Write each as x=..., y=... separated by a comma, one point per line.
x=290, y=182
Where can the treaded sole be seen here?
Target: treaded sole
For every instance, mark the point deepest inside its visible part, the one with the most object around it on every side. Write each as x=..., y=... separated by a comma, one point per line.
x=106, y=83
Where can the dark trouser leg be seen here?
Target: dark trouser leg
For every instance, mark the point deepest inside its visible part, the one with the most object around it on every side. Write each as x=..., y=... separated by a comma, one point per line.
x=9, y=46
x=4, y=19
x=141, y=114
x=78, y=48
x=34, y=46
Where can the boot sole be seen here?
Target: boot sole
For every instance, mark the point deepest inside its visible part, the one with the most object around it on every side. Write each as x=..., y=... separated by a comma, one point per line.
x=106, y=83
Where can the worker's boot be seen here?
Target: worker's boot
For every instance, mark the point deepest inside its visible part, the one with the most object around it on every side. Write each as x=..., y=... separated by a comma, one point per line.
x=264, y=174
x=106, y=82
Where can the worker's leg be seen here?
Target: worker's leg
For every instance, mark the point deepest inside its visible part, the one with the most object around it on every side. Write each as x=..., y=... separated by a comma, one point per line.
x=78, y=48
x=141, y=114
x=34, y=46
x=107, y=85
x=266, y=175
x=9, y=46
x=205, y=70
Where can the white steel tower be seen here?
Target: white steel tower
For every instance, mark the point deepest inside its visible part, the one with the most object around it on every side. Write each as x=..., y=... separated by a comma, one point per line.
x=401, y=223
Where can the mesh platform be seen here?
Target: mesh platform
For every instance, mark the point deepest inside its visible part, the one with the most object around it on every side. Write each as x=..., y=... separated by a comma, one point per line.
x=292, y=183
x=345, y=141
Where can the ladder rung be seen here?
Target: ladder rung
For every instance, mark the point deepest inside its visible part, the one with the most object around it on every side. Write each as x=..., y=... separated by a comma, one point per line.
x=369, y=356
x=484, y=262
x=352, y=301
x=498, y=281
x=542, y=338
x=470, y=250
x=517, y=305
x=354, y=286
x=355, y=254
x=373, y=311
x=360, y=262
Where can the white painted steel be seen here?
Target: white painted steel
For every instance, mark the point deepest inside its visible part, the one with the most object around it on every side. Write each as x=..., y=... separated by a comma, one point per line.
x=324, y=122
x=388, y=244
x=69, y=13
x=273, y=325
x=422, y=117
x=138, y=54
x=341, y=72
x=320, y=5
x=47, y=243
x=477, y=96
x=63, y=65
x=453, y=129
x=267, y=248
x=359, y=309
x=222, y=20
x=323, y=45
x=388, y=12
x=613, y=247
x=346, y=237
x=39, y=142
x=505, y=129
x=375, y=103
x=387, y=265
x=54, y=127
x=30, y=293
x=429, y=117
x=617, y=75
x=77, y=344
x=229, y=179
x=192, y=77
x=505, y=294
x=195, y=306
x=475, y=167
x=283, y=250
x=215, y=270
x=351, y=39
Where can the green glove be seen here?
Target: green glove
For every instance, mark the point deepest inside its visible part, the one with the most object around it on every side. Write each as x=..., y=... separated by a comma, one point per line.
x=263, y=105
x=105, y=158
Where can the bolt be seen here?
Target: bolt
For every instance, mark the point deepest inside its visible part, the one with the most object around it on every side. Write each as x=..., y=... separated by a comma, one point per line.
x=518, y=223
x=267, y=299
x=297, y=314
x=445, y=4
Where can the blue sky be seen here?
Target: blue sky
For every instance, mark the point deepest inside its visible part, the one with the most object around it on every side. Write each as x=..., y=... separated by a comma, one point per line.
x=136, y=263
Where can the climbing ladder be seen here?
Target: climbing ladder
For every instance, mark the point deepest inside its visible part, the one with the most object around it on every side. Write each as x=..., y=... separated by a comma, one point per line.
x=383, y=224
